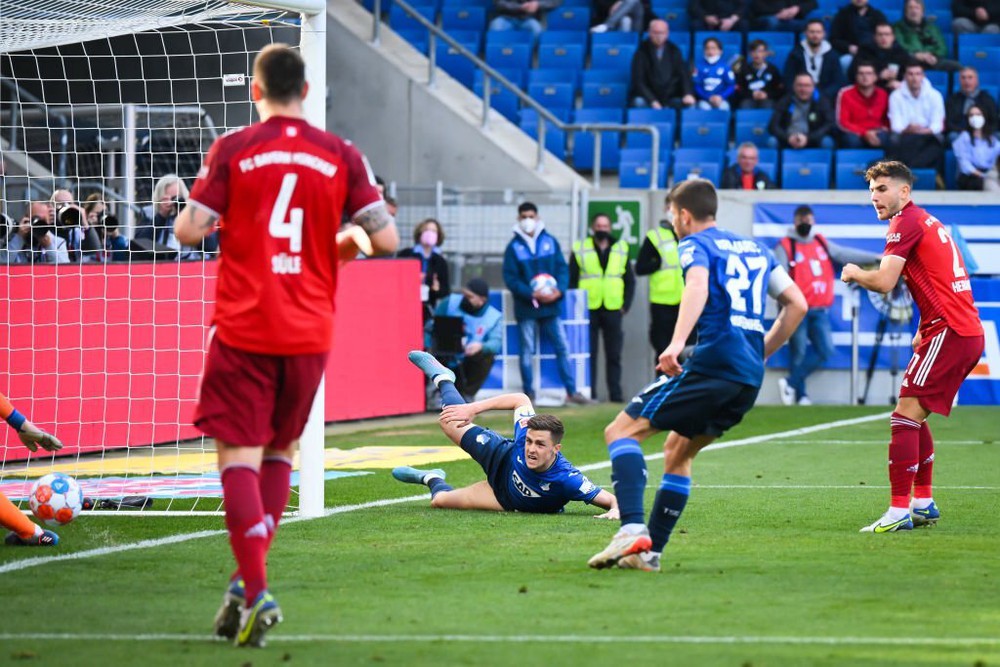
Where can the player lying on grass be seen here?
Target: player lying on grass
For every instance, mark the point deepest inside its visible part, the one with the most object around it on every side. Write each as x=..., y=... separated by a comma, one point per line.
x=526, y=473
x=24, y=533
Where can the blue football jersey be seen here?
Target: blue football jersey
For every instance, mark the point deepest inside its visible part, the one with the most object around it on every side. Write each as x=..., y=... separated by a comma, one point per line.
x=731, y=328
x=545, y=492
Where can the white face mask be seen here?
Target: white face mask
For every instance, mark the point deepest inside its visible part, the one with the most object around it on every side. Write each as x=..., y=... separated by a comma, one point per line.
x=977, y=122
x=713, y=59
x=528, y=225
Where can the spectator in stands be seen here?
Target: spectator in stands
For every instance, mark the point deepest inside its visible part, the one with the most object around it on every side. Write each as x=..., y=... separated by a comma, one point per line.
x=916, y=118
x=115, y=245
x=515, y=15
x=809, y=258
x=976, y=151
x=721, y=15
x=815, y=56
x=70, y=221
x=391, y=205
x=922, y=39
x=888, y=58
x=758, y=82
x=853, y=27
x=862, y=111
x=713, y=79
x=745, y=174
x=600, y=265
x=968, y=95
x=660, y=78
x=785, y=15
x=621, y=15
x=531, y=254
x=483, y=327
x=156, y=230
x=435, y=284
x=35, y=240
x=975, y=16
x=803, y=118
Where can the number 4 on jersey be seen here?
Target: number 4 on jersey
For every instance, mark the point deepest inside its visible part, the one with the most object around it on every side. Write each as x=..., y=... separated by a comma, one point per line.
x=279, y=227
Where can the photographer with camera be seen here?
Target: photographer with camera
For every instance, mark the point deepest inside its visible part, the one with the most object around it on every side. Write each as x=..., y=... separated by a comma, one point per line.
x=70, y=222
x=157, y=230
x=115, y=245
x=34, y=240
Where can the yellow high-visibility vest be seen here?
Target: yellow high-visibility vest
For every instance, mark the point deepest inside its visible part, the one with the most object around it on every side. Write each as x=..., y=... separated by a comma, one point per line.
x=666, y=284
x=604, y=287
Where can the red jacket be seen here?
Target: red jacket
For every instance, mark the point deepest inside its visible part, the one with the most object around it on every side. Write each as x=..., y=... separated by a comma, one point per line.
x=857, y=114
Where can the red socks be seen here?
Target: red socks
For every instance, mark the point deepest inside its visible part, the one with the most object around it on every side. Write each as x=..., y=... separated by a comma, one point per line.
x=248, y=532
x=922, y=480
x=904, y=451
x=275, y=487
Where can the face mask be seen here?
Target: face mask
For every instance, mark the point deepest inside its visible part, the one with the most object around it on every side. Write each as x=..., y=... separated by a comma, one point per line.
x=712, y=60
x=802, y=228
x=466, y=306
x=528, y=225
x=429, y=237
x=977, y=122
x=602, y=236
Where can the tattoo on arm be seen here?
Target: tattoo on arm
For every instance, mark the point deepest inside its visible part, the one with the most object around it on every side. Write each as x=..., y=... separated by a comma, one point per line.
x=208, y=223
x=373, y=220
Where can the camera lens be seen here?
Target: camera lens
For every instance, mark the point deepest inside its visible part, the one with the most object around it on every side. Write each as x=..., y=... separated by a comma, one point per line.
x=69, y=216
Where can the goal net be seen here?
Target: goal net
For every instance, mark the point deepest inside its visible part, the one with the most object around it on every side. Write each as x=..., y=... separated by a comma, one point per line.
x=111, y=106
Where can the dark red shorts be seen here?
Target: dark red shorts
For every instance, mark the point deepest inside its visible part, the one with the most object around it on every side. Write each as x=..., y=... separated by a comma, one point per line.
x=256, y=400
x=938, y=368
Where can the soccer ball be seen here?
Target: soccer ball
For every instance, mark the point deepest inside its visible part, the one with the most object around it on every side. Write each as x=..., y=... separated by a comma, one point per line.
x=544, y=283
x=56, y=499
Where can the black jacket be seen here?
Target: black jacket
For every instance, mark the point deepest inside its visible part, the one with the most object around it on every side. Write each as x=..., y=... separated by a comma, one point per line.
x=732, y=179
x=966, y=9
x=849, y=27
x=881, y=58
x=601, y=9
x=954, y=111
x=699, y=9
x=748, y=79
x=662, y=79
x=831, y=75
x=821, y=120
x=437, y=266
x=759, y=8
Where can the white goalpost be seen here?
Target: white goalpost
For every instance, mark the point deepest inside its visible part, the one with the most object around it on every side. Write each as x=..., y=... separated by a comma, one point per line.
x=103, y=318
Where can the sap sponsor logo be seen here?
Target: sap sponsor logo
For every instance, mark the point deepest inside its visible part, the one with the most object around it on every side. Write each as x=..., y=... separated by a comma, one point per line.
x=482, y=438
x=893, y=237
x=961, y=286
x=524, y=489
x=587, y=486
x=687, y=257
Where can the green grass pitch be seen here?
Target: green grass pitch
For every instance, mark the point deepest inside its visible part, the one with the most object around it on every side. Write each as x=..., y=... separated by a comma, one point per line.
x=767, y=567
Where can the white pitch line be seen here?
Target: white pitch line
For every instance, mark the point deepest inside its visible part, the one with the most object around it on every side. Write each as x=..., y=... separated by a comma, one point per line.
x=16, y=566
x=528, y=639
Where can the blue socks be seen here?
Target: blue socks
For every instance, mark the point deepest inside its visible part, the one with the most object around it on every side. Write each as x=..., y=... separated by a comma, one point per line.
x=628, y=474
x=667, y=508
x=437, y=485
x=449, y=394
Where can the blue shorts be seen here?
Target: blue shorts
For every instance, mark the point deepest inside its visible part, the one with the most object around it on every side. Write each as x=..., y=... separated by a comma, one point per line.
x=692, y=404
x=492, y=451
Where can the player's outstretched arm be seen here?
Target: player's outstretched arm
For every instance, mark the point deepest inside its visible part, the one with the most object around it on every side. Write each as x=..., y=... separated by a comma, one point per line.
x=193, y=224
x=882, y=279
x=380, y=227
x=608, y=501
x=693, y=300
x=463, y=413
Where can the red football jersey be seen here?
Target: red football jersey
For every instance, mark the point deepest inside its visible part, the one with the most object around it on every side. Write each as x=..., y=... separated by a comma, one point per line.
x=280, y=188
x=934, y=271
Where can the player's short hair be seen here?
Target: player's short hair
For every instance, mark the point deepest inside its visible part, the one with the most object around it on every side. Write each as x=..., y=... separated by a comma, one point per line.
x=757, y=44
x=527, y=206
x=821, y=24
x=712, y=39
x=548, y=423
x=893, y=169
x=865, y=63
x=280, y=72
x=913, y=62
x=697, y=196
x=424, y=224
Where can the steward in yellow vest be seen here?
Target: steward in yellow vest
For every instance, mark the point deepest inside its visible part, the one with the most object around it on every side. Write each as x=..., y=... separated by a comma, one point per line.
x=658, y=259
x=600, y=265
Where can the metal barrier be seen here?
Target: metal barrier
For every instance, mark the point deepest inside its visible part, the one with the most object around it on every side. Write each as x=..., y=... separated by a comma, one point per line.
x=489, y=74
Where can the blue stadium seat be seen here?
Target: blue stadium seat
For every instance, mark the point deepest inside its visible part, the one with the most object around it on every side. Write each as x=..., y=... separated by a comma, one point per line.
x=851, y=166
x=568, y=18
x=981, y=57
x=502, y=99
x=940, y=17
x=605, y=95
x=704, y=135
x=806, y=155
x=485, y=4
x=553, y=95
x=515, y=76
x=892, y=14
x=604, y=76
x=938, y=79
x=704, y=162
x=692, y=116
x=937, y=4
x=562, y=56
x=644, y=139
x=635, y=155
x=507, y=37
x=779, y=55
x=370, y=5
x=400, y=20
x=978, y=40
x=456, y=64
x=751, y=125
x=550, y=76
x=950, y=170
x=463, y=18
x=676, y=15
x=614, y=38
x=563, y=37
x=768, y=161
x=649, y=115
x=418, y=39
x=508, y=56
x=583, y=142
x=772, y=38
x=732, y=42
x=611, y=56
x=805, y=176
x=638, y=174
x=555, y=139
x=683, y=42
x=924, y=179
x=575, y=3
